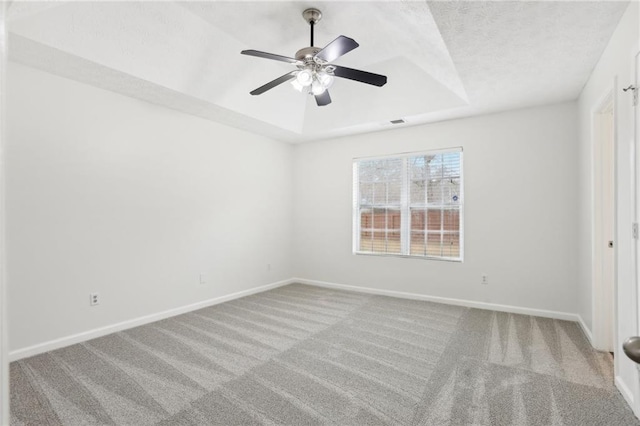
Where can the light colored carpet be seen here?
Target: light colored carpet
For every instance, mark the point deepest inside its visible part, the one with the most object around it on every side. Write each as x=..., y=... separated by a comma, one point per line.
x=302, y=355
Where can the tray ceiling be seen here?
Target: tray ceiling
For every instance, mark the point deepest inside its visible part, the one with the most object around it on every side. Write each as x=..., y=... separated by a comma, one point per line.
x=443, y=59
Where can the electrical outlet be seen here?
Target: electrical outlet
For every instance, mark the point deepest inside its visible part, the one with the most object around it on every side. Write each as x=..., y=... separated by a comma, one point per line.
x=268, y=266
x=94, y=299
x=485, y=279
x=203, y=279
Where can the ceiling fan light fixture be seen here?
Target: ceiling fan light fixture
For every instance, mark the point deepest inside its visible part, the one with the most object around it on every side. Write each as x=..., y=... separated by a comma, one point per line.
x=317, y=88
x=299, y=87
x=315, y=73
x=325, y=79
x=304, y=77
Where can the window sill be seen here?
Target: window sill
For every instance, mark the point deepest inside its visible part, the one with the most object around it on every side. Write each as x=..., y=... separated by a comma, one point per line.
x=408, y=256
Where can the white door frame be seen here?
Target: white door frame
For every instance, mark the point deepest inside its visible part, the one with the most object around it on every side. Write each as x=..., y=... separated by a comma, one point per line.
x=636, y=181
x=604, y=271
x=630, y=386
x=4, y=359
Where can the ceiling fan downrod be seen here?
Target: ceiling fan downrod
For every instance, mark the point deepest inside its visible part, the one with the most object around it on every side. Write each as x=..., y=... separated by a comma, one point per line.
x=312, y=16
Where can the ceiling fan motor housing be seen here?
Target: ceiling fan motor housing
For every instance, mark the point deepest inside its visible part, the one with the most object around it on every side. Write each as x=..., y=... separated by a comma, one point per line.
x=307, y=53
x=308, y=56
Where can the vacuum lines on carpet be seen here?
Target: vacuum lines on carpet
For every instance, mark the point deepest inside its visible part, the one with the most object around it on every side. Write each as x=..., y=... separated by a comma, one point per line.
x=303, y=355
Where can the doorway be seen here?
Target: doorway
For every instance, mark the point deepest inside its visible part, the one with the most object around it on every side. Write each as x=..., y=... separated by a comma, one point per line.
x=604, y=224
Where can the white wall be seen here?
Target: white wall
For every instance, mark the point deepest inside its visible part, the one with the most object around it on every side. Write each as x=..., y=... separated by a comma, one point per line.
x=112, y=195
x=612, y=73
x=520, y=177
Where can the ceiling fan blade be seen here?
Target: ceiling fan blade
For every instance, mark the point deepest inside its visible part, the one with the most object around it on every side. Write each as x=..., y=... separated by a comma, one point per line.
x=270, y=85
x=323, y=98
x=337, y=48
x=361, y=76
x=266, y=55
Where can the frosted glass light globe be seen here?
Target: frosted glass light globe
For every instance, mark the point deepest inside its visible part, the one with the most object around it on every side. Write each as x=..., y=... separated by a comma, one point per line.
x=325, y=79
x=296, y=85
x=317, y=88
x=304, y=77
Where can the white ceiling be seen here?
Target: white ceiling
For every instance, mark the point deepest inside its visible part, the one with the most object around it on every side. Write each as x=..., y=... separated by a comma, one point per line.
x=443, y=59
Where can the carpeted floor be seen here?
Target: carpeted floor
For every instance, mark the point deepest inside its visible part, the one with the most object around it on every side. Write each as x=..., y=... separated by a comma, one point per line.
x=302, y=355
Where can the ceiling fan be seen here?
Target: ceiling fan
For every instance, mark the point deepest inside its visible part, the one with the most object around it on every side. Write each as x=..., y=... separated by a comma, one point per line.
x=315, y=71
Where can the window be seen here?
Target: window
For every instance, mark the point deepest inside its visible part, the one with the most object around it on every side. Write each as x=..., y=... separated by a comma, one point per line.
x=409, y=205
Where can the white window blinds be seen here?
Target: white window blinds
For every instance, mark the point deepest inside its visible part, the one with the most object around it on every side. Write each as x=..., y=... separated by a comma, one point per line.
x=410, y=205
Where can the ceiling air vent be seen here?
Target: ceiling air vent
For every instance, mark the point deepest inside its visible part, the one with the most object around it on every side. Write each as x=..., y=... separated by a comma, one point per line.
x=399, y=121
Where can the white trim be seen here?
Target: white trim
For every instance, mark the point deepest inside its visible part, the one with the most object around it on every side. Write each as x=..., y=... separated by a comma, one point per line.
x=603, y=337
x=585, y=329
x=626, y=393
x=124, y=325
x=355, y=234
x=635, y=184
x=4, y=358
x=408, y=256
x=446, y=300
x=405, y=216
x=410, y=154
x=630, y=395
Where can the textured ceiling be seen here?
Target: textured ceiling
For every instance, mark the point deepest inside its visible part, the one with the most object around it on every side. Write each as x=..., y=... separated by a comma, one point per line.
x=443, y=59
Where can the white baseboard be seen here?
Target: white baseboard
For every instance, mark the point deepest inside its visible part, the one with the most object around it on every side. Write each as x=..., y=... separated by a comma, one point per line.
x=626, y=392
x=445, y=300
x=585, y=329
x=103, y=331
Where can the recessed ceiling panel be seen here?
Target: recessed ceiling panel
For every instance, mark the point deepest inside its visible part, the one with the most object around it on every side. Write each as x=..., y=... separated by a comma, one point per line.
x=442, y=59
x=384, y=30
x=412, y=92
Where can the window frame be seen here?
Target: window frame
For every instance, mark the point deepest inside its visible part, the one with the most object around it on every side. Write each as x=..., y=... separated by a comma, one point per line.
x=405, y=206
